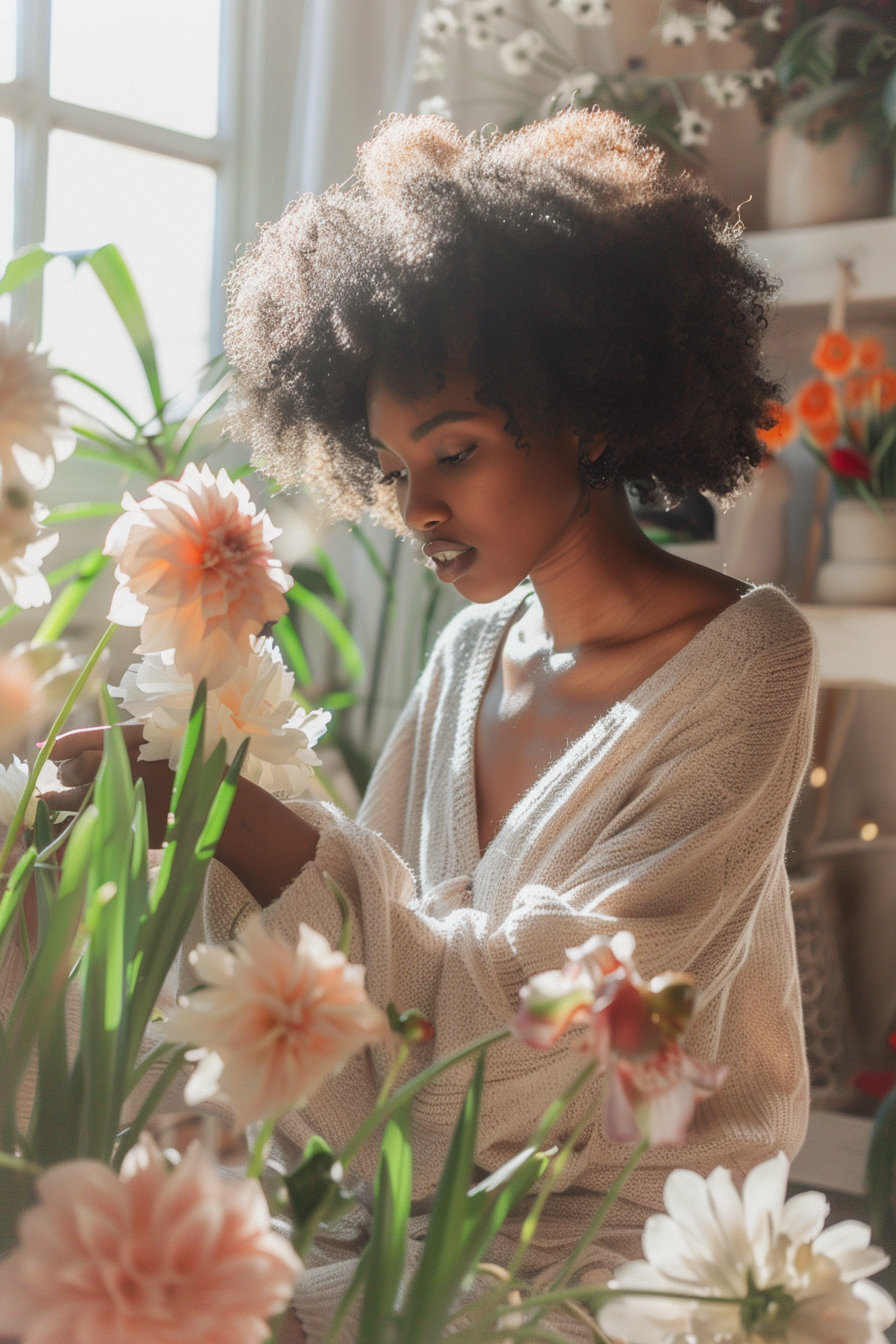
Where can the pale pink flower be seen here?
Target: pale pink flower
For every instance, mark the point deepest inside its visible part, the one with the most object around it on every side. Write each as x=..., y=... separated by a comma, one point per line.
x=21, y=700
x=150, y=1257
x=256, y=703
x=196, y=570
x=24, y=544
x=32, y=439
x=633, y=1030
x=274, y=1021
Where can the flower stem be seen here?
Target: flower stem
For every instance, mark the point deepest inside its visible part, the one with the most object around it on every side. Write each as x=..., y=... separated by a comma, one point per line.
x=384, y=1109
x=21, y=1164
x=44, y=754
x=256, y=1160
x=597, y=1221
x=389, y=1080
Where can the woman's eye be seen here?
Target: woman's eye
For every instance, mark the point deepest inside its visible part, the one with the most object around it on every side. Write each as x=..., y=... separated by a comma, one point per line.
x=457, y=458
x=390, y=477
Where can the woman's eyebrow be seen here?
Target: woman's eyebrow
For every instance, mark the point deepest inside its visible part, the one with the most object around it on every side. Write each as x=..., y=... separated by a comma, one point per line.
x=443, y=418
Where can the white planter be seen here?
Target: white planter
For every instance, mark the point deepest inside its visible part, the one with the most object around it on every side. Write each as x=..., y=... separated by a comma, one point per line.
x=862, y=567
x=813, y=183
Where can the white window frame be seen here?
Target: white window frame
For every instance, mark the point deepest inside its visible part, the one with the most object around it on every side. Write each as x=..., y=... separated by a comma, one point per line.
x=248, y=30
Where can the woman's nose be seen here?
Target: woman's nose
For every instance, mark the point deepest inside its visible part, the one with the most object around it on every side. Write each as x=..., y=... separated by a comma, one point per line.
x=422, y=510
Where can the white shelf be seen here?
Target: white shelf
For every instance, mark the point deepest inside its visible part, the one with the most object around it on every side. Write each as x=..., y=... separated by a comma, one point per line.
x=856, y=645
x=833, y=1154
x=806, y=259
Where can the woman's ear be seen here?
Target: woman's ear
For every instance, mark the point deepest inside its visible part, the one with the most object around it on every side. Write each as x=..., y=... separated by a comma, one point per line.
x=597, y=447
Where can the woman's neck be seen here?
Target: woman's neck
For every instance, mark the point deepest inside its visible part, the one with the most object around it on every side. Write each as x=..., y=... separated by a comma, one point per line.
x=603, y=580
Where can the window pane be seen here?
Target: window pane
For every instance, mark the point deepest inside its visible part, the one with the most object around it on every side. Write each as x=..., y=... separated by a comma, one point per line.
x=160, y=213
x=154, y=60
x=7, y=40
x=7, y=168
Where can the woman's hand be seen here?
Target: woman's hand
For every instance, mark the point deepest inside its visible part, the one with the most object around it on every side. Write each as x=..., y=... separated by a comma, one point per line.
x=264, y=844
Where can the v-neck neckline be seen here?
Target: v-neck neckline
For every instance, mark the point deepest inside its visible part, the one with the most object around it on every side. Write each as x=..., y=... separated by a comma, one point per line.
x=483, y=661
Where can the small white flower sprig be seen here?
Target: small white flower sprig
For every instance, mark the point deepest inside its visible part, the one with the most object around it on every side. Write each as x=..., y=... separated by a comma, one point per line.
x=197, y=573
x=525, y=52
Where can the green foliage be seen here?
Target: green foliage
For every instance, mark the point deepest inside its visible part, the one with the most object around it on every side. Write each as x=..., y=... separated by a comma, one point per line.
x=880, y=1170
x=108, y=935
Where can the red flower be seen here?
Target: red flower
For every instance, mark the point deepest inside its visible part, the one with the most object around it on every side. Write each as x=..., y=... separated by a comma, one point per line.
x=849, y=462
x=877, y=1083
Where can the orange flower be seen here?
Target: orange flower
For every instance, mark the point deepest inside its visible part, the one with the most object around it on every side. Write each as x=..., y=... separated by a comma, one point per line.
x=147, y=1256
x=782, y=431
x=196, y=570
x=871, y=354
x=883, y=385
x=826, y=434
x=816, y=402
x=855, y=390
x=834, y=353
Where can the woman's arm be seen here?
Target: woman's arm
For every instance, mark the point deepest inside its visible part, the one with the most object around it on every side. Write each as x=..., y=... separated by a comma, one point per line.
x=264, y=844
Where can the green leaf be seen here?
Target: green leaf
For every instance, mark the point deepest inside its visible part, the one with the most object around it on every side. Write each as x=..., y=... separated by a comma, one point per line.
x=129, y=1136
x=17, y=1193
x=388, y=1238
x=881, y=1164
x=57, y=619
x=25, y=267
x=339, y=634
x=100, y=391
x=73, y=513
x=290, y=646
x=328, y=569
x=888, y=99
x=315, y=1192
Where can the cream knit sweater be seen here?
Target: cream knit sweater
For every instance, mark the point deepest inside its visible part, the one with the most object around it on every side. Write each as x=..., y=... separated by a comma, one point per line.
x=668, y=818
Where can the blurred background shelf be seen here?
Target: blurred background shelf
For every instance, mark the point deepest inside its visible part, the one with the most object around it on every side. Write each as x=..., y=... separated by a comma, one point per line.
x=857, y=645
x=833, y=1155
x=806, y=260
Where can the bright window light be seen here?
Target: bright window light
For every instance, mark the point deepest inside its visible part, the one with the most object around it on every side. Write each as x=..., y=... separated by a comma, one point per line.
x=159, y=211
x=154, y=60
x=7, y=40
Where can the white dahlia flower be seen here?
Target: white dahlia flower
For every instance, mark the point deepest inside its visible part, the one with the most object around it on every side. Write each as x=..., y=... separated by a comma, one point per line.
x=256, y=703
x=797, y=1282
x=32, y=438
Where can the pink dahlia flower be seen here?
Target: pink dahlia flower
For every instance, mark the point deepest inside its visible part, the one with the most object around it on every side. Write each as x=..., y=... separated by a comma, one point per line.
x=196, y=570
x=151, y=1257
x=273, y=1021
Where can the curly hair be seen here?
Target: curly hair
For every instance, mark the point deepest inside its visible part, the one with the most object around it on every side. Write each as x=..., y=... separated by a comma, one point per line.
x=578, y=281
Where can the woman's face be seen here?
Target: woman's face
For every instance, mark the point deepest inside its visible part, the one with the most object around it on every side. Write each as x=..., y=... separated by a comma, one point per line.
x=485, y=511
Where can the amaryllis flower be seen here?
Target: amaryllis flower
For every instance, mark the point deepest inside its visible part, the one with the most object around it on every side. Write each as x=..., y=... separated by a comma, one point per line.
x=816, y=402
x=32, y=439
x=256, y=703
x=798, y=1283
x=834, y=353
x=782, y=431
x=273, y=1021
x=24, y=544
x=849, y=462
x=148, y=1257
x=871, y=354
x=197, y=572
x=633, y=1030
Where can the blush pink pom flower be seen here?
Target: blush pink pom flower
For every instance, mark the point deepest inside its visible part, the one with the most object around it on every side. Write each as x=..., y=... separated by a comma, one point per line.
x=633, y=1030
x=273, y=1021
x=151, y=1257
x=196, y=570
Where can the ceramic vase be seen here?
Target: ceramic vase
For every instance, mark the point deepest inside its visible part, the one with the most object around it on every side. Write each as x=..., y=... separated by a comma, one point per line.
x=862, y=567
x=814, y=183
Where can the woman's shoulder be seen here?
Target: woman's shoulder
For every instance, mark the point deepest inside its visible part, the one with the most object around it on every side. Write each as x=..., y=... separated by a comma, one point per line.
x=766, y=621
x=763, y=640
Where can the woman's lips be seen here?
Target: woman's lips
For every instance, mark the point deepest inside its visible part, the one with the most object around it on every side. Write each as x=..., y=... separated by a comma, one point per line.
x=450, y=558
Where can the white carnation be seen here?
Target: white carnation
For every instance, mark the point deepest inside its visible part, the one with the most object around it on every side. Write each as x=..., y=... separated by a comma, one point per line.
x=256, y=703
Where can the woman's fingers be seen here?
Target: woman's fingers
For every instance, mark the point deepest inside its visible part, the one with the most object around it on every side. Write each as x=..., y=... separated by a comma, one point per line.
x=80, y=769
x=72, y=744
x=65, y=800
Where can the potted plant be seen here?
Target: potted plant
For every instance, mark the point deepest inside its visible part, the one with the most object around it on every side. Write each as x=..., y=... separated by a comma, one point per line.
x=846, y=418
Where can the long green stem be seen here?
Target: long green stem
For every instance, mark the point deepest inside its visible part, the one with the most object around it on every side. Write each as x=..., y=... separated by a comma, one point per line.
x=256, y=1161
x=397, y=1066
x=20, y=1164
x=572, y=1260
x=383, y=1110
x=44, y=754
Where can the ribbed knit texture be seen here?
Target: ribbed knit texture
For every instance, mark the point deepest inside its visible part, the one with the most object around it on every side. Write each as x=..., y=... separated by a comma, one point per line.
x=668, y=818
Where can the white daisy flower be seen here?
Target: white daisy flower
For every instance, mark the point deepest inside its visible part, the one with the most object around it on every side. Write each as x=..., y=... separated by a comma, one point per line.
x=32, y=437
x=592, y=13
x=438, y=24
x=678, y=30
x=256, y=703
x=430, y=65
x=479, y=35
x=24, y=544
x=437, y=106
x=771, y=18
x=719, y=22
x=515, y=58
x=693, y=128
x=727, y=91
x=798, y=1282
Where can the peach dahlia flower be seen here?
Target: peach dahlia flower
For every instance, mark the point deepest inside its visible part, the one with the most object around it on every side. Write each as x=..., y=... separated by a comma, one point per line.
x=273, y=1021
x=32, y=438
x=151, y=1257
x=196, y=570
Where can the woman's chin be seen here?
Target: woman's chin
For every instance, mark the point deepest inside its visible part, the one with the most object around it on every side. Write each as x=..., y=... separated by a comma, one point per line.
x=483, y=587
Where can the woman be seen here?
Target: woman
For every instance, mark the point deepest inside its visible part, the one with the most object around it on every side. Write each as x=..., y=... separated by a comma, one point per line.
x=482, y=343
